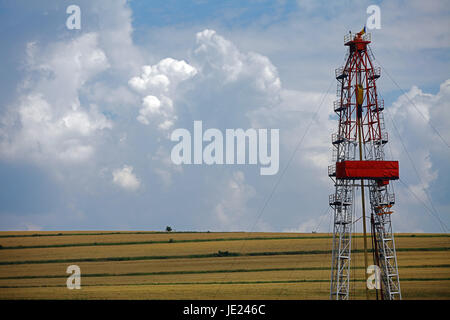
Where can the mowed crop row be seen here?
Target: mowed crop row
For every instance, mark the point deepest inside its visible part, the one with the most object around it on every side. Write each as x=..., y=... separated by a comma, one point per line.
x=74, y=238
x=200, y=276
x=94, y=238
x=164, y=249
x=252, y=291
x=307, y=261
x=161, y=250
x=298, y=266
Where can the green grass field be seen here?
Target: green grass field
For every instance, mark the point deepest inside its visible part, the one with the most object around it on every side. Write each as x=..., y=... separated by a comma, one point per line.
x=204, y=265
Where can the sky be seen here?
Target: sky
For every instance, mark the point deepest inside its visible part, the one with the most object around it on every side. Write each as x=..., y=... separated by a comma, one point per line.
x=86, y=114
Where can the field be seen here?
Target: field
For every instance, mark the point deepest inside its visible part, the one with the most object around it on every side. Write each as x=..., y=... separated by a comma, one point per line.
x=204, y=265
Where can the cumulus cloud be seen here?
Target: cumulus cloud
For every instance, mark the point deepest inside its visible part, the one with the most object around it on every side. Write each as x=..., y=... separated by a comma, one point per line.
x=217, y=62
x=115, y=34
x=59, y=114
x=215, y=53
x=49, y=122
x=162, y=76
x=61, y=68
x=153, y=107
x=126, y=179
x=418, y=111
x=158, y=83
x=412, y=121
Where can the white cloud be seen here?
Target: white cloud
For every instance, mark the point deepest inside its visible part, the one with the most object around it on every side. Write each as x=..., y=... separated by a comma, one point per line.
x=160, y=81
x=167, y=124
x=126, y=179
x=48, y=123
x=415, y=114
x=163, y=76
x=115, y=35
x=150, y=105
x=217, y=54
x=45, y=136
x=63, y=67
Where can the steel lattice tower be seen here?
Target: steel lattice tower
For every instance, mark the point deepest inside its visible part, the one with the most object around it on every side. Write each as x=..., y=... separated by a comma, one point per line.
x=359, y=161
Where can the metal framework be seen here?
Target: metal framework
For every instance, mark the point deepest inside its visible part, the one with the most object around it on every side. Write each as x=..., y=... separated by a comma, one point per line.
x=361, y=136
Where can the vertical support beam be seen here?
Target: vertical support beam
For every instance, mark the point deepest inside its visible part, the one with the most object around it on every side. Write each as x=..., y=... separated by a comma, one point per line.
x=363, y=198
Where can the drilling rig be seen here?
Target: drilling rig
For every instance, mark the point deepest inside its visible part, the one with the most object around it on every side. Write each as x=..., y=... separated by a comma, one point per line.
x=359, y=164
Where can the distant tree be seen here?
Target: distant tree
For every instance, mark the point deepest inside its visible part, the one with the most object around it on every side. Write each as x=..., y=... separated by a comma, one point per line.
x=168, y=229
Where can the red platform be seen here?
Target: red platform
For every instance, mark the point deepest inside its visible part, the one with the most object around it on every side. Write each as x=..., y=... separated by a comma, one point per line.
x=378, y=170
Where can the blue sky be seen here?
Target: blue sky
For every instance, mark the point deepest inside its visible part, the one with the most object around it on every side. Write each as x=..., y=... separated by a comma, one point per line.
x=81, y=150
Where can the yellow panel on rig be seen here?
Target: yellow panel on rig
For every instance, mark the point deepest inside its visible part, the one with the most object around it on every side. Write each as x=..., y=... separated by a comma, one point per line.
x=359, y=94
